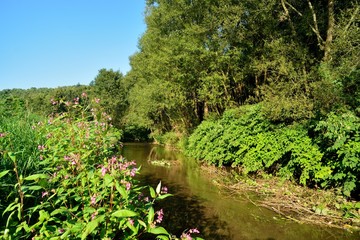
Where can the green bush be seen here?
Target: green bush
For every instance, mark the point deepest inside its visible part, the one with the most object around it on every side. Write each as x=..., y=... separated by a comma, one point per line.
x=244, y=137
x=339, y=137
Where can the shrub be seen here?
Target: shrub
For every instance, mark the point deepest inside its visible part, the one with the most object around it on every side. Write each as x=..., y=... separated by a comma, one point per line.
x=339, y=137
x=244, y=137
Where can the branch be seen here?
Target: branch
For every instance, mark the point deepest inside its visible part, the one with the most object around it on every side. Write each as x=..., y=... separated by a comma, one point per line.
x=315, y=28
x=293, y=8
x=351, y=20
x=288, y=17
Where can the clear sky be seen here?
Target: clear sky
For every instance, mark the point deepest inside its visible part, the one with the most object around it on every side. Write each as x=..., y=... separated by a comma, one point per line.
x=51, y=43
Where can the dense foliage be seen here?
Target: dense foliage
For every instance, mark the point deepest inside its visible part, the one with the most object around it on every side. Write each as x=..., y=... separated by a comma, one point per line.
x=60, y=178
x=289, y=68
x=243, y=137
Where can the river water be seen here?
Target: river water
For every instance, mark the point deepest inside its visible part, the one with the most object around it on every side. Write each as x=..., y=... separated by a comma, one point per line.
x=197, y=203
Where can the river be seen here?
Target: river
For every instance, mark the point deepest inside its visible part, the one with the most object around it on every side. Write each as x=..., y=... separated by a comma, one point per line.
x=198, y=203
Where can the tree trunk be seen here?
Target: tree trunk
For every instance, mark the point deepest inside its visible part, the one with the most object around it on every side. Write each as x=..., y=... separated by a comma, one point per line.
x=330, y=31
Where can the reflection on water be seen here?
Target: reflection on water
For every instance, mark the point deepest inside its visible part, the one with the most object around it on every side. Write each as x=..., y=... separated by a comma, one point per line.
x=198, y=203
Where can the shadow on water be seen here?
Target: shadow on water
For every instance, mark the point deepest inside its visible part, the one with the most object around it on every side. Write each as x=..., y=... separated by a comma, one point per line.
x=183, y=212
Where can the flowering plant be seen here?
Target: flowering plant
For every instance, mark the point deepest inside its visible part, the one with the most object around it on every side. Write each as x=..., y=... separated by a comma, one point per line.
x=83, y=190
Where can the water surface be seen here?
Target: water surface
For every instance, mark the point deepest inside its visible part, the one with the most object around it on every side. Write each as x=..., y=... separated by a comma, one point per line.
x=197, y=203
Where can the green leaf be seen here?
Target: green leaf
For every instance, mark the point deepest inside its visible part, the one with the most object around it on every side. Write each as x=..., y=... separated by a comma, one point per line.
x=43, y=216
x=142, y=223
x=108, y=179
x=59, y=210
x=164, y=196
x=65, y=234
x=36, y=176
x=3, y=173
x=121, y=190
x=35, y=188
x=162, y=237
x=124, y=213
x=152, y=192
x=90, y=227
x=11, y=206
x=12, y=156
x=158, y=230
x=151, y=215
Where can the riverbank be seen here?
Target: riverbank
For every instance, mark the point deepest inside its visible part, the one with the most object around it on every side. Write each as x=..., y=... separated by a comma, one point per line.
x=294, y=202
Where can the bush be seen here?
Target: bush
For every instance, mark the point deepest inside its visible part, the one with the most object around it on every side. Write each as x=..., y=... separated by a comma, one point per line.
x=244, y=137
x=339, y=137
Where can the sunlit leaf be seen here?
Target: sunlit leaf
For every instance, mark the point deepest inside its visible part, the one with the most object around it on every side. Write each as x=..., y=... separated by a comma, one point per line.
x=36, y=176
x=158, y=230
x=3, y=173
x=124, y=213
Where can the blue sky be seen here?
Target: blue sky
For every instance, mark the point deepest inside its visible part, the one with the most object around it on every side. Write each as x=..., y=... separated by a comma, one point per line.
x=51, y=43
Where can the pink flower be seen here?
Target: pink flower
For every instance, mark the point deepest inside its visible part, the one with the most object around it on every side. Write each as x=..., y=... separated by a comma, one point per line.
x=84, y=94
x=133, y=172
x=128, y=186
x=194, y=230
x=61, y=231
x=103, y=171
x=185, y=236
x=93, y=200
x=94, y=215
x=160, y=216
x=164, y=190
x=44, y=194
x=131, y=221
x=97, y=100
x=41, y=147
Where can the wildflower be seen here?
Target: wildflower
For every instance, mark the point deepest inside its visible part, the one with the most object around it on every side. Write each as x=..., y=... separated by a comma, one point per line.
x=128, y=186
x=103, y=171
x=185, y=236
x=131, y=221
x=44, y=194
x=53, y=102
x=113, y=160
x=146, y=199
x=93, y=199
x=133, y=172
x=67, y=103
x=194, y=230
x=94, y=215
x=41, y=147
x=164, y=190
x=84, y=94
x=97, y=100
x=61, y=230
x=2, y=135
x=41, y=157
x=160, y=215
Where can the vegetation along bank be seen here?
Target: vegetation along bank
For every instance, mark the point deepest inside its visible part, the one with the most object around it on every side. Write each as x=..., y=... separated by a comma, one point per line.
x=267, y=87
